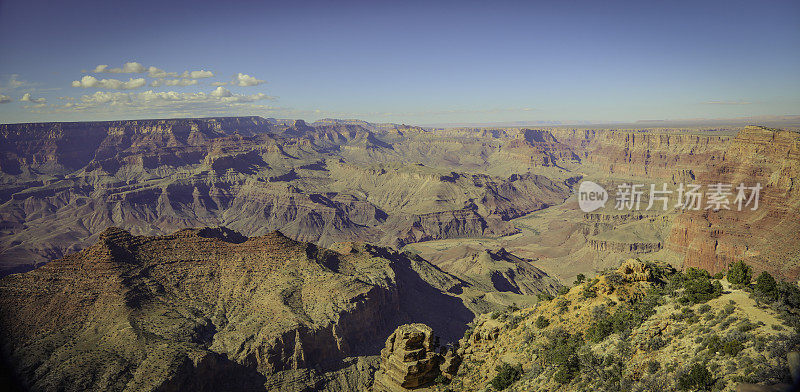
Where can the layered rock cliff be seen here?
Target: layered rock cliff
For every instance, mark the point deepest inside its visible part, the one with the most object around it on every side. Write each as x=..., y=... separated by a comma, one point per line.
x=766, y=237
x=61, y=184
x=210, y=309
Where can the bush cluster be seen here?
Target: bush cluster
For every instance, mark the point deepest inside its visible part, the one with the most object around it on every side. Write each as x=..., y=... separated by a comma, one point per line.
x=727, y=346
x=700, y=287
x=562, y=354
x=698, y=378
x=625, y=318
x=541, y=322
x=506, y=375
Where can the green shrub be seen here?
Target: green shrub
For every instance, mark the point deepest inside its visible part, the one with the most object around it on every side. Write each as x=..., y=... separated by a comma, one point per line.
x=653, y=366
x=699, y=288
x=697, y=273
x=704, y=308
x=740, y=273
x=655, y=343
x=468, y=332
x=513, y=321
x=563, y=375
x=746, y=326
x=698, y=378
x=541, y=322
x=562, y=354
x=563, y=290
x=506, y=375
x=589, y=291
x=727, y=346
x=625, y=318
x=732, y=347
x=727, y=323
x=579, y=279
x=766, y=286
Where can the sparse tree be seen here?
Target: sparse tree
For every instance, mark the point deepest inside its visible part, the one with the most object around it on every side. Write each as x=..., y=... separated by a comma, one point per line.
x=766, y=286
x=740, y=273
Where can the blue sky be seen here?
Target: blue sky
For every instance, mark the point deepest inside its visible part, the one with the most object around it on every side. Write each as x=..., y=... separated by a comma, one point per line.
x=410, y=62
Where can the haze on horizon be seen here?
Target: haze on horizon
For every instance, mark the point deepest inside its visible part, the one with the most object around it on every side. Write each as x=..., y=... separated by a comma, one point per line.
x=413, y=62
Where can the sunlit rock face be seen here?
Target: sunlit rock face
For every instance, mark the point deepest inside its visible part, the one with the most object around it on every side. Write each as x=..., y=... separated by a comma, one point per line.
x=210, y=309
x=766, y=237
x=62, y=184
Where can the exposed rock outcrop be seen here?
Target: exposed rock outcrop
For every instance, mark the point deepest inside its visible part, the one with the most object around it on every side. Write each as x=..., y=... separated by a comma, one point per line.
x=409, y=360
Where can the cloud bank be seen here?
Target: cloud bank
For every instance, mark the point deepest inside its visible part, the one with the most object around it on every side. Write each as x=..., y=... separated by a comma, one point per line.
x=89, y=81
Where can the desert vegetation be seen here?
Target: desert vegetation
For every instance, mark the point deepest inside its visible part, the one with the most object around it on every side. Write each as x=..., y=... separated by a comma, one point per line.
x=677, y=330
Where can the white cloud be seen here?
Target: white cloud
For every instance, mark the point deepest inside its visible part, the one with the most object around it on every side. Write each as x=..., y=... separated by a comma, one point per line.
x=102, y=97
x=27, y=98
x=243, y=80
x=5, y=98
x=180, y=82
x=197, y=74
x=13, y=83
x=133, y=68
x=219, y=83
x=154, y=102
x=129, y=67
x=221, y=92
x=155, y=72
x=173, y=82
x=89, y=81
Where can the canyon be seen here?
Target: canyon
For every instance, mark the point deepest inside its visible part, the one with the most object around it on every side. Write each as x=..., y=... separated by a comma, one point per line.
x=61, y=184
x=253, y=253
x=204, y=309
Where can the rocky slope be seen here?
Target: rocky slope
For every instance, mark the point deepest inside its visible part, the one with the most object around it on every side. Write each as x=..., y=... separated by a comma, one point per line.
x=204, y=309
x=640, y=328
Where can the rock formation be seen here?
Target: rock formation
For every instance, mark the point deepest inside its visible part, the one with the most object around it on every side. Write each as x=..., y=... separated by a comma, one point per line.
x=409, y=360
x=210, y=309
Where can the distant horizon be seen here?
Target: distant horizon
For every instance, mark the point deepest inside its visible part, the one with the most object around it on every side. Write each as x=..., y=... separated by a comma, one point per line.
x=788, y=122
